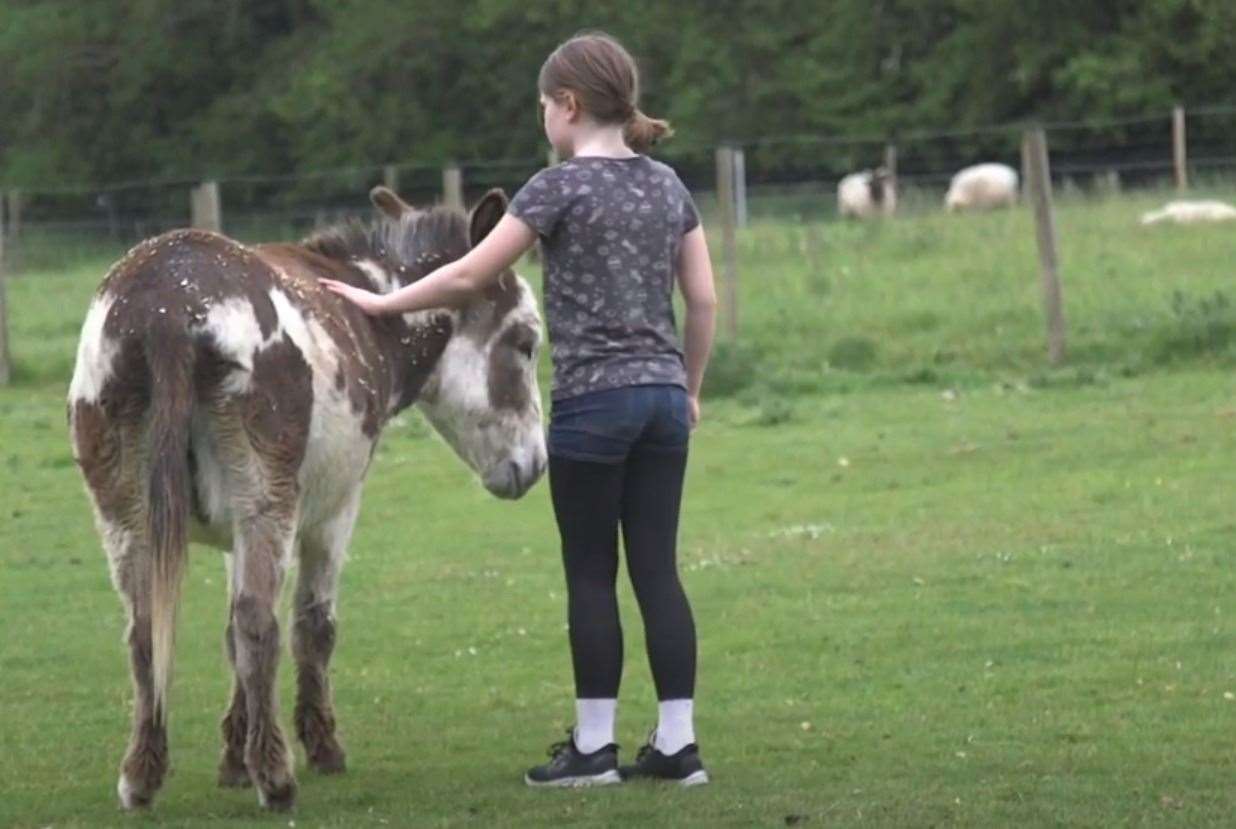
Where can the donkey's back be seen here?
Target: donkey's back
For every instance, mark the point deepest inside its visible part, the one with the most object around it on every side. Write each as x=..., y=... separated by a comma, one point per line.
x=220, y=394
x=201, y=373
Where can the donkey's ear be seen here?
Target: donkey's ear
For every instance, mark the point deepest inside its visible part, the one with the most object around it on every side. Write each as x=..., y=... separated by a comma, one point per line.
x=388, y=202
x=486, y=214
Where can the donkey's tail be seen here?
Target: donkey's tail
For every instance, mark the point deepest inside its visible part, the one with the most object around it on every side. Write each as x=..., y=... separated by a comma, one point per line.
x=170, y=356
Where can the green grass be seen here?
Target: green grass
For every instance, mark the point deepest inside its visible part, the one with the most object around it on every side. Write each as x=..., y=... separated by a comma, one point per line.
x=958, y=299
x=993, y=595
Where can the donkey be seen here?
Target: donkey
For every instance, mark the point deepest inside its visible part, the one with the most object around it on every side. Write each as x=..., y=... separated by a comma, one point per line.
x=221, y=395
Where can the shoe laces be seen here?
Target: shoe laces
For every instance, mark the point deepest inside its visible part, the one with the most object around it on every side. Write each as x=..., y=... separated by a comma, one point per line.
x=562, y=746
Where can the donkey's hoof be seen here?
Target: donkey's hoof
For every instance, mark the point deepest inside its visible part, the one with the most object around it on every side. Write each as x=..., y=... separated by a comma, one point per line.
x=131, y=796
x=233, y=775
x=280, y=798
x=328, y=760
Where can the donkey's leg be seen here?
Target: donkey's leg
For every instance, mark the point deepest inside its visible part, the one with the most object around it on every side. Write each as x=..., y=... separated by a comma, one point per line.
x=322, y=551
x=263, y=547
x=108, y=454
x=145, y=760
x=235, y=725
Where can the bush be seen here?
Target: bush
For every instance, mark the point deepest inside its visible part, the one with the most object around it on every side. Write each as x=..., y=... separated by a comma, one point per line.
x=852, y=354
x=732, y=368
x=1200, y=327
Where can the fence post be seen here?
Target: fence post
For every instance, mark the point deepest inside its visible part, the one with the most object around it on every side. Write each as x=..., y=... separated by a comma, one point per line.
x=1038, y=183
x=740, y=186
x=205, y=211
x=1110, y=182
x=452, y=186
x=729, y=244
x=1179, y=149
x=12, y=248
x=390, y=177
x=890, y=188
x=4, y=311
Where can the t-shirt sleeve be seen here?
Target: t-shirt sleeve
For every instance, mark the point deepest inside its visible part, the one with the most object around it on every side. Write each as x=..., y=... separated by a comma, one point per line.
x=540, y=203
x=689, y=217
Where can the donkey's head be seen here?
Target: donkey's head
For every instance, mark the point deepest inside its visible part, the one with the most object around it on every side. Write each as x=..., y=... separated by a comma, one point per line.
x=483, y=396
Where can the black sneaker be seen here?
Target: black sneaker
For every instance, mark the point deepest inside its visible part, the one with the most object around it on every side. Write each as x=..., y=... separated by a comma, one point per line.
x=683, y=767
x=569, y=767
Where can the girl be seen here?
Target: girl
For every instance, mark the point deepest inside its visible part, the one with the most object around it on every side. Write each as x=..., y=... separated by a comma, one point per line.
x=616, y=228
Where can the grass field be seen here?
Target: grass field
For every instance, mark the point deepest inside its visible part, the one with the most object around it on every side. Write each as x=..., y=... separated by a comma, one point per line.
x=936, y=583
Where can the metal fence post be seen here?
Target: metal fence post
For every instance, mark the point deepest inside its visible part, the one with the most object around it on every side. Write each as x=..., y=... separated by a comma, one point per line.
x=740, y=186
x=729, y=243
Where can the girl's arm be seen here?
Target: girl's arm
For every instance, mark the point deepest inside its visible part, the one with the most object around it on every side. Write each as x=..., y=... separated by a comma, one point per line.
x=695, y=282
x=453, y=284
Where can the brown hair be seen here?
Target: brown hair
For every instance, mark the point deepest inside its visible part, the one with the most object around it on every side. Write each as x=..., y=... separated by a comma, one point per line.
x=605, y=81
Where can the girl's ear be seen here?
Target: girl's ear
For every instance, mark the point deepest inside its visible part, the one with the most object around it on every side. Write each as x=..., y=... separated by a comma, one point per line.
x=571, y=104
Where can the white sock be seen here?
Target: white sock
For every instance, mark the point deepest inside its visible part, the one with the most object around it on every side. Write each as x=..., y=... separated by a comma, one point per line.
x=594, y=723
x=675, y=726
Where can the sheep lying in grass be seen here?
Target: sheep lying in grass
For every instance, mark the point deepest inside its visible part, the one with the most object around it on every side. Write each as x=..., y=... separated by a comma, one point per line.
x=1190, y=212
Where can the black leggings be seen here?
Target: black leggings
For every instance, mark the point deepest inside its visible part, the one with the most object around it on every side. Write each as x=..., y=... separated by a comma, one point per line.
x=642, y=496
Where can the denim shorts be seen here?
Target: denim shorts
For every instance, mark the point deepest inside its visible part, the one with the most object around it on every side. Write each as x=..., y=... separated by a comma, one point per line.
x=606, y=426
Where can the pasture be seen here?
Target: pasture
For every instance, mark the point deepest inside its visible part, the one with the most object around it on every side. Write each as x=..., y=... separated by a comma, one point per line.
x=935, y=582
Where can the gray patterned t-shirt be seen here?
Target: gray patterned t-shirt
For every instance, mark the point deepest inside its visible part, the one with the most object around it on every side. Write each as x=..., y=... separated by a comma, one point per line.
x=611, y=229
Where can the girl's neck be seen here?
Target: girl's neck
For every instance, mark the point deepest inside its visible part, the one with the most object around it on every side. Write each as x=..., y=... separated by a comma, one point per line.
x=603, y=141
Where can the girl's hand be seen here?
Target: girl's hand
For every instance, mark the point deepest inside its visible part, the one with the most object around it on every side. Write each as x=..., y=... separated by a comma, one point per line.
x=693, y=411
x=367, y=301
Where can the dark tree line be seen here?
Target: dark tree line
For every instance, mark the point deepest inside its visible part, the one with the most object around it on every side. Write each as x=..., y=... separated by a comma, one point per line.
x=119, y=89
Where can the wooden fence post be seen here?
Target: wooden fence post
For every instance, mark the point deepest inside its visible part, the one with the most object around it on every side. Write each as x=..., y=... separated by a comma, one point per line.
x=13, y=246
x=390, y=177
x=205, y=211
x=452, y=186
x=1179, y=149
x=890, y=189
x=1038, y=183
x=729, y=244
x=5, y=371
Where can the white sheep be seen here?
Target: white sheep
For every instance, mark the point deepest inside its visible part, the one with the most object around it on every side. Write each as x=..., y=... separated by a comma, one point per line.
x=1191, y=212
x=866, y=194
x=982, y=187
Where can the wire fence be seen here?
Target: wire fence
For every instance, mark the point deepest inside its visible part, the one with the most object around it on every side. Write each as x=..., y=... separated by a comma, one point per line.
x=786, y=175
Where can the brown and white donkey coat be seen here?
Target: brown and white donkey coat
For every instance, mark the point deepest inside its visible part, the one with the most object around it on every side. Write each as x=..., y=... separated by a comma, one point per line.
x=221, y=394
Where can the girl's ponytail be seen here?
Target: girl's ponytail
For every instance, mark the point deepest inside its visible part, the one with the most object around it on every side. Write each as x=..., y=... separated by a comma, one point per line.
x=605, y=81
x=642, y=132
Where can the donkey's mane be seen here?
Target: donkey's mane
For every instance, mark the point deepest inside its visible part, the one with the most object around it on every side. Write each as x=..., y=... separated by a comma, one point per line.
x=416, y=242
